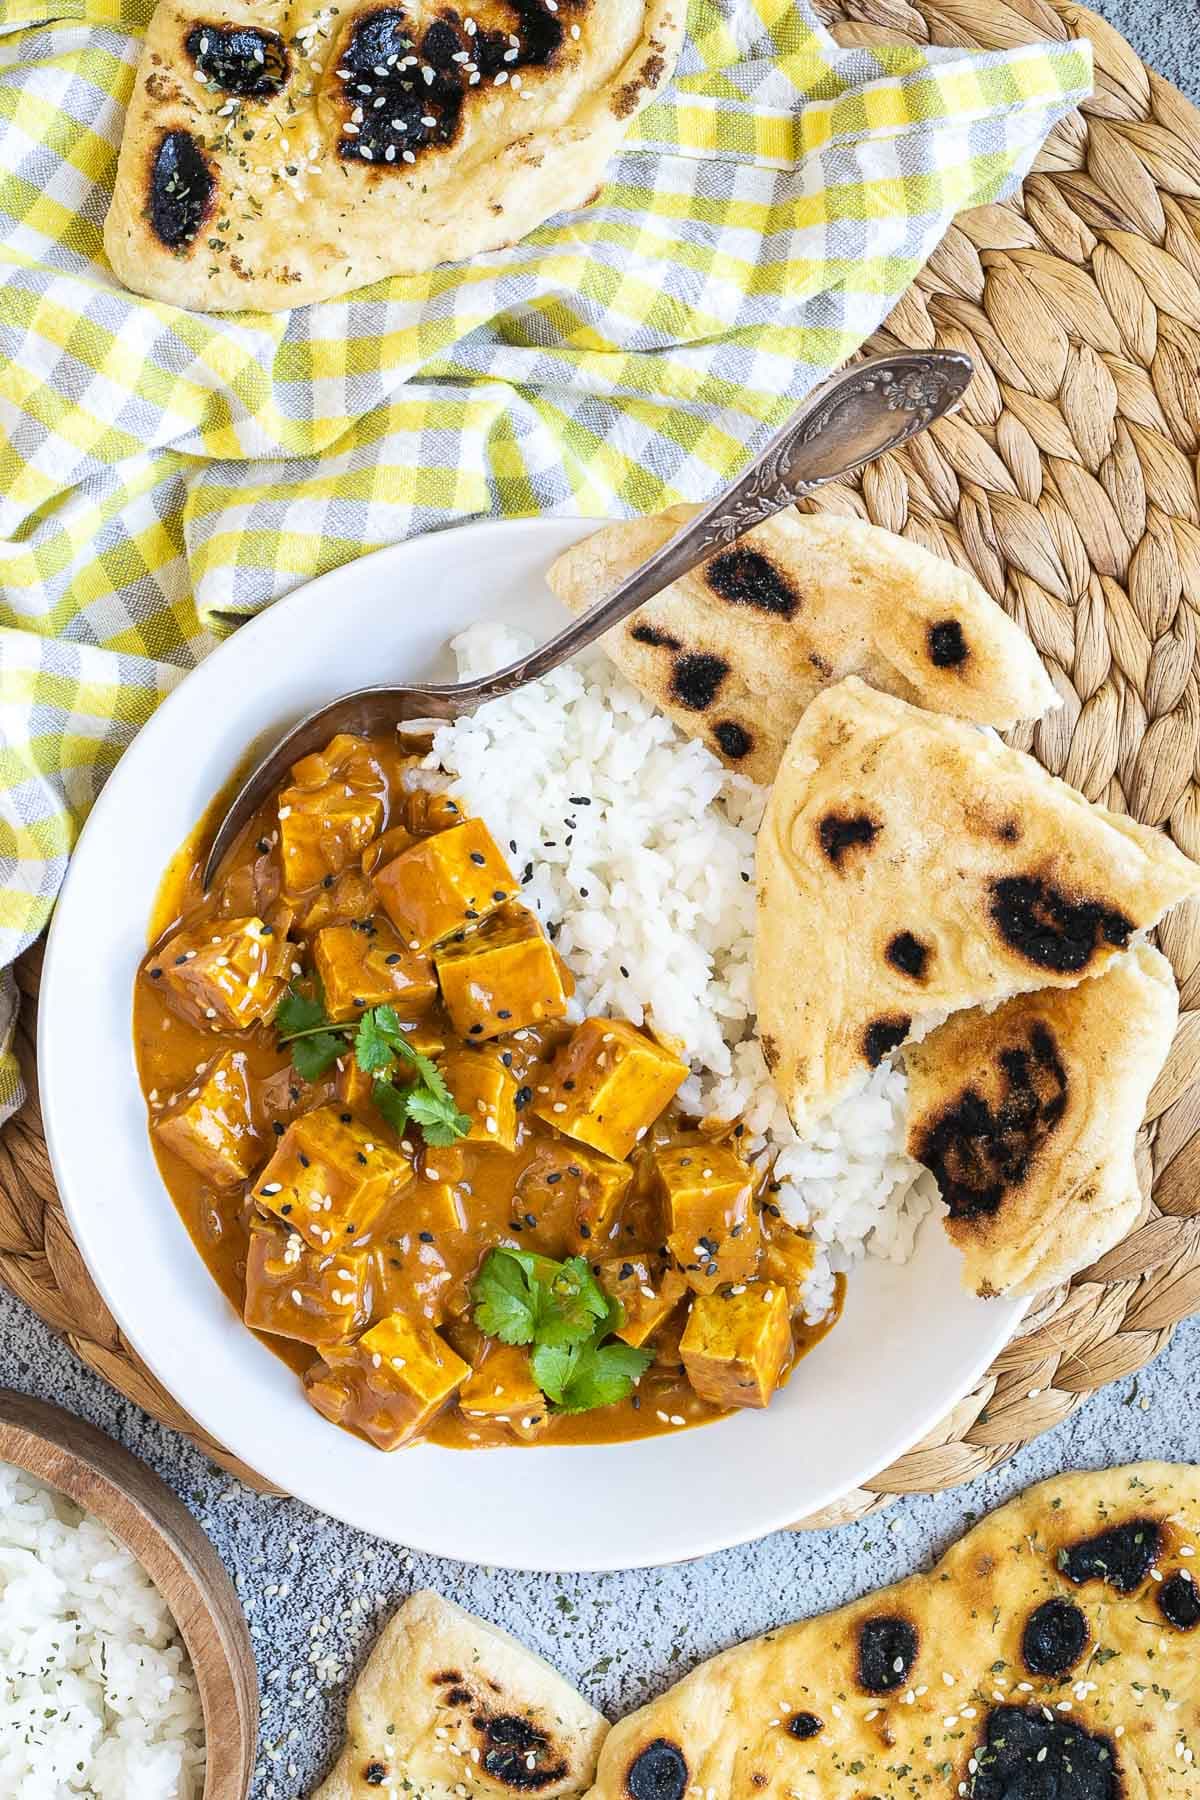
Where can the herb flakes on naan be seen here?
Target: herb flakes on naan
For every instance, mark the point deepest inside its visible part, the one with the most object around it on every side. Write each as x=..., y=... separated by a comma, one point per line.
x=1050, y=1655
x=449, y=1707
x=280, y=153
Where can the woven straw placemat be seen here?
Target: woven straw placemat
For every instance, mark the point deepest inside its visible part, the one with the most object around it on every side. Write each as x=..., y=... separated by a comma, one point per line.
x=1068, y=484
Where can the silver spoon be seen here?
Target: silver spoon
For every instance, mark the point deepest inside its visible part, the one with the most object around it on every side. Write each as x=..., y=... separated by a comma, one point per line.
x=871, y=407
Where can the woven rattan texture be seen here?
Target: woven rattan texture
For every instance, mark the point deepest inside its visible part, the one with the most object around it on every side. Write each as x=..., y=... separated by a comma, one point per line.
x=1068, y=484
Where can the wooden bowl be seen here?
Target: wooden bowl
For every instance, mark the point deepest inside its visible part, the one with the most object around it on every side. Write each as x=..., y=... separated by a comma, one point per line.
x=159, y=1531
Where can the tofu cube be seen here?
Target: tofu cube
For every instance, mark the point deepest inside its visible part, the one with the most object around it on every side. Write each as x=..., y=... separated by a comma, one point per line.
x=281, y=1096
x=711, y=1225
x=360, y=969
x=501, y=977
x=502, y=1388
x=330, y=813
x=430, y=809
x=314, y=1297
x=349, y=895
x=573, y=1197
x=737, y=1347
x=383, y=848
x=484, y=1090
x=331, y=1179
x=226, y=976
x=608, y=1085
x=390, y=1385
x=211, y=1124
x=788, y=1259
x=648, y=1294
x=444, y=883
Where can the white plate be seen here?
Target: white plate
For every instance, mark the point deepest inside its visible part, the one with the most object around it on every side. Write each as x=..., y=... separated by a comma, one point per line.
x=910, y=1343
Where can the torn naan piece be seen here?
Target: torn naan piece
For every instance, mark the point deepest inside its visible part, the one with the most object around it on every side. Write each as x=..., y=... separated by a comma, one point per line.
x=910, y=866
x=734, y=652
x=1027, y=1118
x=1050, y=1655
x=288, y=151
x=449, y=1707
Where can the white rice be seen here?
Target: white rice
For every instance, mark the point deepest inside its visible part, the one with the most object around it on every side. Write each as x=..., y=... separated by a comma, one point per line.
x=640, y=845
x=97, y=1695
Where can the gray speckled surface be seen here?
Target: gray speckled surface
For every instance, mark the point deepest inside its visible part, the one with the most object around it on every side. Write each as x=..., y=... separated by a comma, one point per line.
x=314, y=1589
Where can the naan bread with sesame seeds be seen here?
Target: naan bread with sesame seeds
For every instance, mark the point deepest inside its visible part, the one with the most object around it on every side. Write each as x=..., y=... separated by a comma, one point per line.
x=910, y=866
x=1028, y=1117
x=1050, y=1655
x=280, y=152
x=734, y=652
x=449, y=1707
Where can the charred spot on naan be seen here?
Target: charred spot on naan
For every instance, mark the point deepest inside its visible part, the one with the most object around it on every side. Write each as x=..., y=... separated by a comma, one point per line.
x=375, y=1774
x=947, y=645
x=744, y=577
x=181, y=188
x=1121, y=1557
x=628, y=97
x=403, y=94
x=884, y=1035
x=518, y=1753
x=1179, y=1601
x=239, y=59
x=733, y=740
x=908, y=955
x=840, y=832
x=696, y=678
x=654, y=638
x=887, y=1651
x=1052, y=929
x=1026, y=1753
x=978, y=1153
x=1055, y=1637
x=659, y=1772
x=804, y=1725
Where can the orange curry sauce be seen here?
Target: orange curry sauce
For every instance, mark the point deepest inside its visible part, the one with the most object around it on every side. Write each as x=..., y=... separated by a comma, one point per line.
x=353, y=874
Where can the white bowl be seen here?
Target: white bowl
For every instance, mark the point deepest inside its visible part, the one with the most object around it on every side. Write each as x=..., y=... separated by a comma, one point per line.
x=910, y=1341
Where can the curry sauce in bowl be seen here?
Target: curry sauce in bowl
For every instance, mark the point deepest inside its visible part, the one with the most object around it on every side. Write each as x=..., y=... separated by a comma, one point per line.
x=458, y=1210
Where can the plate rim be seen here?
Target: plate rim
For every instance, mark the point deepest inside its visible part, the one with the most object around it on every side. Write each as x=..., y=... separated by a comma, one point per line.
x=564, y=530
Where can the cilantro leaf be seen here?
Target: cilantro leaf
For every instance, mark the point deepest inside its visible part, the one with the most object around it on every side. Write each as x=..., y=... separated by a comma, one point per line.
x=579, y=1305
x=604, y=1374
x=392, y=1102
x=312, y=1056
x=559, y=1309
x=553, y=1366
x=507, y=1298
x=373, y=1041
x=297, y=1012
x=440, y=1120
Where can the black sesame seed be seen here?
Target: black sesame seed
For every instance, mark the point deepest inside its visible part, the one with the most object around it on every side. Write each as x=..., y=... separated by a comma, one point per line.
x=477, y=856
x=506, y=1058
x=585, y=1231
x=504, y=1013
x=156, y=974
x=344, y=1117
x=328, y=882
x=426, y=1237
x=262, y=846
x=278, y=1127
x=499, y=894
x=362, y=1159
x=475, y=1030
x=303, y=1160
x=285, y=1210
x=392, y=959
x=180, y=959
x=531, y=1220
x=522, y=1098
x=556, y=1175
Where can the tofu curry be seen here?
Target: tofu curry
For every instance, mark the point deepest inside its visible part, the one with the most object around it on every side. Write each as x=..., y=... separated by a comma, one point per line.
x=458, y=1211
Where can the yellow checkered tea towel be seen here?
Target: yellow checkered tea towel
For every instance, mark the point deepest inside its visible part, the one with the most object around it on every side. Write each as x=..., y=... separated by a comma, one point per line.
x=156, y=466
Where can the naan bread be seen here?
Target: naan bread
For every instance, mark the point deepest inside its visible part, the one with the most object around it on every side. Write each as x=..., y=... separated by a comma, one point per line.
x=279, y=153
x=1051, y=1655
x=909, y=865
x=735, y=651
x=1027, y=1117
x=450, y=1708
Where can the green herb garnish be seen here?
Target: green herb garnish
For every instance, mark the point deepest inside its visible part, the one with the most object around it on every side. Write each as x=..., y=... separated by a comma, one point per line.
x=562, y=1313
x=380, y=1046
